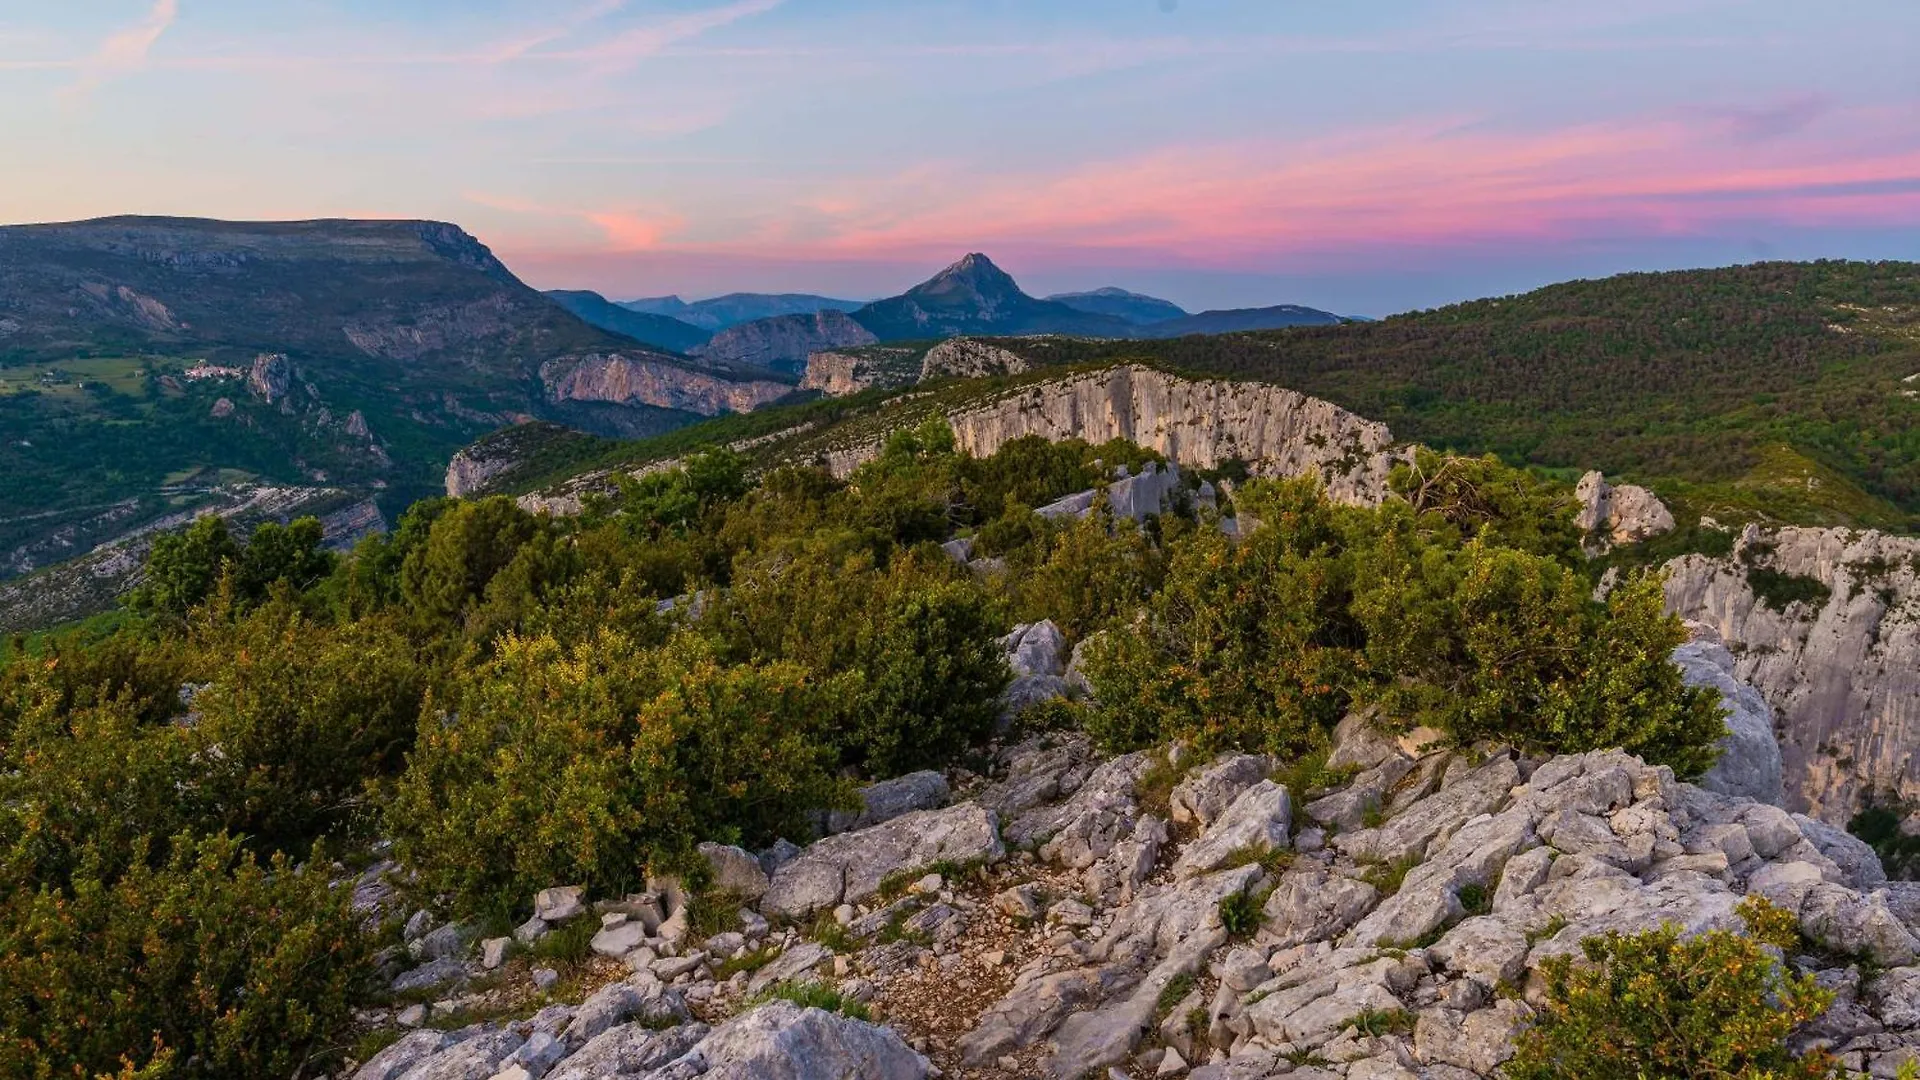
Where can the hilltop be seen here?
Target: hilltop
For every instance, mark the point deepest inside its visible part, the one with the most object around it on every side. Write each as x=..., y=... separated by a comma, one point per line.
x=1785, y=391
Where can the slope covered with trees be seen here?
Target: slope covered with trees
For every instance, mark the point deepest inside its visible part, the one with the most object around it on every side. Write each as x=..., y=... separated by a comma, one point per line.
x=1776, y=389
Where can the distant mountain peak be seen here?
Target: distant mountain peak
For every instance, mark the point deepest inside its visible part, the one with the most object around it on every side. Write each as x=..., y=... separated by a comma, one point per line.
x=974, y=276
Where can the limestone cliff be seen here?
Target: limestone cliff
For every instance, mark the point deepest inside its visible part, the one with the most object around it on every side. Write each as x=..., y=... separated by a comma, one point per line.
x=784, y=341
x=618, y=379
x=1202, y=423
x=1842, y=673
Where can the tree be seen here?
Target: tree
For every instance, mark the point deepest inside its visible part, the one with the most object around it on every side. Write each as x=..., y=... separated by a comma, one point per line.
x=284, y=553
x=933, y=673
x=183, y=567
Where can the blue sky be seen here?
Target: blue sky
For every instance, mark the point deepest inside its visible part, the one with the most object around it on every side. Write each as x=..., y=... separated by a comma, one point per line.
x=1363, y=157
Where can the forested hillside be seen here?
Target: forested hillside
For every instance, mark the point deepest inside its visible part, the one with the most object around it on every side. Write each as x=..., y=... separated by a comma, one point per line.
x=1781, y=389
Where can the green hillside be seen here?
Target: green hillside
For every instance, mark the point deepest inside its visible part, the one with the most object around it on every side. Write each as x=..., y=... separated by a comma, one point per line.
x=1780, y=388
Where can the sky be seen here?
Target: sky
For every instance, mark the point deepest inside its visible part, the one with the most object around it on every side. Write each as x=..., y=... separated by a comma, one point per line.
x=1364, y=157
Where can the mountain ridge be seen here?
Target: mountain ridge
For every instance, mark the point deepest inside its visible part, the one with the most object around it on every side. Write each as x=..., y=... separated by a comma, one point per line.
x=1120, y=303
x=659, y=331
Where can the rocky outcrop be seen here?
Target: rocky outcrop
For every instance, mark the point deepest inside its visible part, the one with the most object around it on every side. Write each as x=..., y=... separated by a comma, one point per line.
x=784, y=341
x=1626, y=514
x=1204, y=423
x=837, y=374
x=619, y=379
x=1840, y=671
x=270, y=377
x=472, y=467
x=965, y=358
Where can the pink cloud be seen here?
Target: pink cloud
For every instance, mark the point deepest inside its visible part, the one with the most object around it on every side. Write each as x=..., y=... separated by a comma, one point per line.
x=125, y=51
x=1434, y=184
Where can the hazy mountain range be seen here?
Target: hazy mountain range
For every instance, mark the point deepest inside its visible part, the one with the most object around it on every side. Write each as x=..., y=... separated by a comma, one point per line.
x=971, y=297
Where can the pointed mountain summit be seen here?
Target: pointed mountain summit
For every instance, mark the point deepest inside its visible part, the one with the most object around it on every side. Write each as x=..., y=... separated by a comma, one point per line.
x=973, y=296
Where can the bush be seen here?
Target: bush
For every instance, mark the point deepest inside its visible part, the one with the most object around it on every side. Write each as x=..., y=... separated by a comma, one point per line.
x=303, y=716
x=1655, y=1004
x=1262, y=644
x=203, y=963
x=591, y=763
x=933, y=673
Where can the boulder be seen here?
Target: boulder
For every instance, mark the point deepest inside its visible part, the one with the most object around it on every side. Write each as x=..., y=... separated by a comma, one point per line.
x=451, y=940
x=617, y=941
x=477, y=1058
x=1036, y=649
x=1626, y=514
x=735, y=871
x=433, y=973
x=782, y=1041
x=612, y=1004
x=410, y=1050
x=559, y=904
x=1484, y=948
x=1201, y=797
x=888, y=799
x=1311, y=904
x=849, y=867
x=1859, y=864
x=629, y=1050
x=1257, y=821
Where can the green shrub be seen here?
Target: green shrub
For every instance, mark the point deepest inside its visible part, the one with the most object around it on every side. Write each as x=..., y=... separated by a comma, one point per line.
x=1240, y=913
x=183, y=567
x=591, y=763
x=304, y=715
x=1656, y=1004
x=197, y=963
x=569, y=943
x=1780, y=591
x=813, y=995
x=933, y=673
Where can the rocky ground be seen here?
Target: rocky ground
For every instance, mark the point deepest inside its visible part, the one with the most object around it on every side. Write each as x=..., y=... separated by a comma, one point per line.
x=1155, y=915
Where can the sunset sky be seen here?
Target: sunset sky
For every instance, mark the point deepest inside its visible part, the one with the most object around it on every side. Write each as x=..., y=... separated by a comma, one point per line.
x=1365, y=157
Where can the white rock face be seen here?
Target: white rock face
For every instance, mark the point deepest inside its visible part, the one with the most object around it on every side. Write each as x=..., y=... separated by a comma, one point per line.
x=1749, y=762
x=1202, y=423
x=1842, y=676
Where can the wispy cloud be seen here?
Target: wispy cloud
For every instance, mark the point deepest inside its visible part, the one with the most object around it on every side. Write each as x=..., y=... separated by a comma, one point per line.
x=625, y=48
x=125, y=51
x=521, y=45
